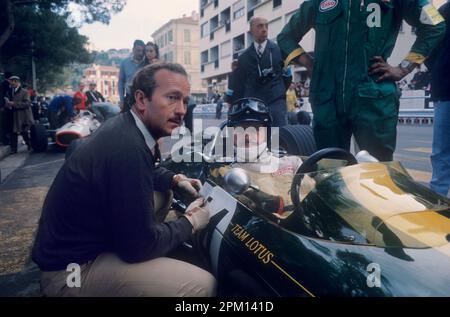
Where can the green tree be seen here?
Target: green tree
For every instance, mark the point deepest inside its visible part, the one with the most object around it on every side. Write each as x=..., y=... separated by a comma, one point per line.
x=54, y=45
x=90, y=11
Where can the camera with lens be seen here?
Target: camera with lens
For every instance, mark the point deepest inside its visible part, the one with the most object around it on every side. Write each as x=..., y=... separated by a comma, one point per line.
x=266, y=75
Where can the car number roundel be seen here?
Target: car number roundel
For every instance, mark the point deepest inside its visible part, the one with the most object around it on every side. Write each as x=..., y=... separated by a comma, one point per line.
x=327, y=5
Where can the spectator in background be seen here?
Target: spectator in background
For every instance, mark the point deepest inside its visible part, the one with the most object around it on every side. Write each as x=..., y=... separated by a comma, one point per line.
x=5, y=112
x=60, y=111
x=97, y=104
x=128, y=68
x=42, y=103
x=298, y=89
x=260, y=72
x=151, y=53
x=306, y=87
x=31, y=92
x=440, y=94
x=291, y=98
x=219, y=106
x=79, y=98
x=93, y=95
x=189, y=117
x=233, y=85
x=18, y=100
x=421, y=80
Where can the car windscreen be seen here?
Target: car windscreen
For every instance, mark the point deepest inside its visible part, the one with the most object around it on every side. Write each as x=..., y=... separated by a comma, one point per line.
x=383, y=204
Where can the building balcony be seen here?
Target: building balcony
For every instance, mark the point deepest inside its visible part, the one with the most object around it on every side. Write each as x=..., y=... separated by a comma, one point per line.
x=210, y=67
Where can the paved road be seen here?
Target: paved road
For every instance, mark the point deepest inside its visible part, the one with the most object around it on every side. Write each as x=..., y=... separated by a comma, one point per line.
x=23, y=192
x=21, y=198
x=414, y=146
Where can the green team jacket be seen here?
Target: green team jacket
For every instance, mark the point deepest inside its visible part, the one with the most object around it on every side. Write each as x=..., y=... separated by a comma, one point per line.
x=348, y=34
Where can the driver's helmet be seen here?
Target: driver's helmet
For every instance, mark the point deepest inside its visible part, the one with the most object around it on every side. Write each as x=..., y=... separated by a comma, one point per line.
x=249, y=110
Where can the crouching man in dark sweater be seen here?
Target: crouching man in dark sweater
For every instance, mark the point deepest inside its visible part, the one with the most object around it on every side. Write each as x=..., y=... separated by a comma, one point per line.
x=99, y=219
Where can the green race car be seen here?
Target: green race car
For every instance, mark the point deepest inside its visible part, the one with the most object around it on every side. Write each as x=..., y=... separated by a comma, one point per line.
x=347, y=228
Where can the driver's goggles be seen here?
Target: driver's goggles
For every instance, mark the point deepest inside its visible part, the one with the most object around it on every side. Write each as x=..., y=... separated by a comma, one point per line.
x=254, y=105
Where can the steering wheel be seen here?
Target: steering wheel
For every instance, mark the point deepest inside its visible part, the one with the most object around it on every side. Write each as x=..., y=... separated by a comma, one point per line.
x=310, y=165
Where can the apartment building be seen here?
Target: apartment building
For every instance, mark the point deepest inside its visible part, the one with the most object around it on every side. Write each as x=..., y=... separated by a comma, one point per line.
x=106, y=78
x=224, y=34
x=178, y=42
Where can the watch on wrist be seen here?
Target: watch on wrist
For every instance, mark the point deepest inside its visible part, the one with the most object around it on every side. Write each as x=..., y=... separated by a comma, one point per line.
x=408, y=65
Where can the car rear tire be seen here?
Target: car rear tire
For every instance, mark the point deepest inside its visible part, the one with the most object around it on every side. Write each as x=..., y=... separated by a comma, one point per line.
x=303, y=118
x=297, y=140
x=292, y=118
x=38, y=138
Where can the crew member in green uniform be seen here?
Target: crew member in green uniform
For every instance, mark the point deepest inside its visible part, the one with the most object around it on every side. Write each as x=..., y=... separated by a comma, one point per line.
x=353, y=89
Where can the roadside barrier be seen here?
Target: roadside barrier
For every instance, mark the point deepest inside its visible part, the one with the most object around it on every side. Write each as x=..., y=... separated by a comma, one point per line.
x=422, y=113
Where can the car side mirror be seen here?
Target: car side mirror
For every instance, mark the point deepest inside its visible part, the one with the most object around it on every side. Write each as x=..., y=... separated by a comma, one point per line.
x=237, y=181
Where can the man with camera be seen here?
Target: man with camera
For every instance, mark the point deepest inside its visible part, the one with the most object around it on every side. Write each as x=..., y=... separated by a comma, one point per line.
x=260, y=71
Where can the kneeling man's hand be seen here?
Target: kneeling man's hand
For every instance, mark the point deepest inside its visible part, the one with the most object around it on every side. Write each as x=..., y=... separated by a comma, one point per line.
x=189, y=186
x=198, y=214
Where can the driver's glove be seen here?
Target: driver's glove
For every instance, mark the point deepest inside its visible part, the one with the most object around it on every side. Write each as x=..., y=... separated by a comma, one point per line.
x=198, y=214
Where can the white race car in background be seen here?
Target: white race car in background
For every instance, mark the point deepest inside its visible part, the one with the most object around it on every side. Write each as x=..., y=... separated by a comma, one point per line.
x=80, y=127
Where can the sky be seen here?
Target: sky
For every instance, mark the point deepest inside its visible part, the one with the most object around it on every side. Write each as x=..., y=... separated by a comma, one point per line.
x=138, y=20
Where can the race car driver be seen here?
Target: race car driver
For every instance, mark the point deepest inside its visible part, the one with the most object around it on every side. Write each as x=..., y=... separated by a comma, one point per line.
x=272, y=175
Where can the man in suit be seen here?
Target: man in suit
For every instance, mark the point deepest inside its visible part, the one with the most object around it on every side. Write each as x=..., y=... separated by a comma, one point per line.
x=97, y=104
x=108, y=227
x=260, y=71
x=18, y=101
x=93, y=95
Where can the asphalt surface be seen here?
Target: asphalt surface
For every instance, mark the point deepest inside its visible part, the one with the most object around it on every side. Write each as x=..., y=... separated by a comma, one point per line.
x=21, y=197
x=28, y=177
x=414, y=148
